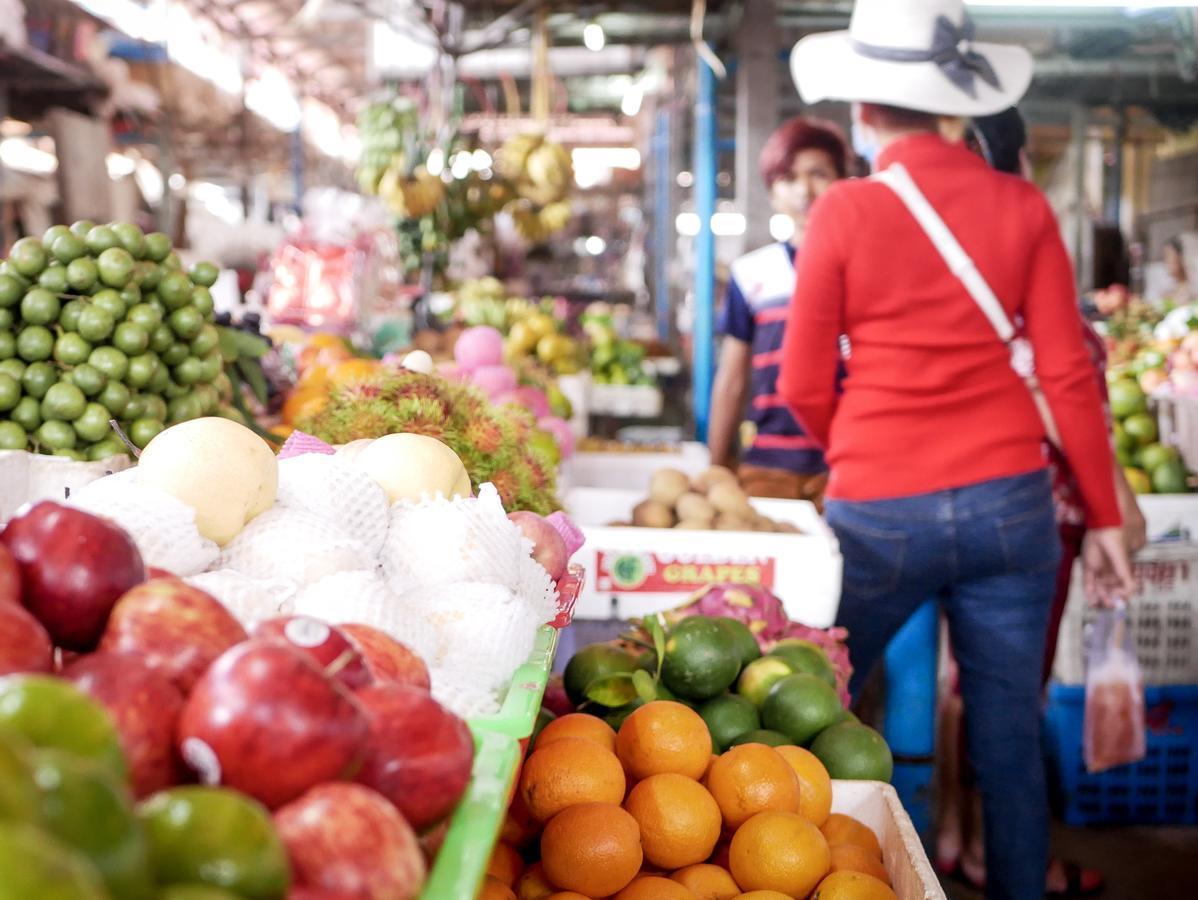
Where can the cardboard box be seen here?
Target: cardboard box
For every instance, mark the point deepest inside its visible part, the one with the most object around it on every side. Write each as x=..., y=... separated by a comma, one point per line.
x=633, y=470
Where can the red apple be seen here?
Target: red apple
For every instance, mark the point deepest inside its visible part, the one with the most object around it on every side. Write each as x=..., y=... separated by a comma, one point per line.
x=389, y=661
x=300, y=892
x=74, y=567
x=432, y=840
x=418, y=755
x=145, y=706
x=346, y=838
x=265, y=720
x=10, y=578
x=24, y=644
x=153, y=572
x=327, y=645
x=548, y=548
x=175, y=628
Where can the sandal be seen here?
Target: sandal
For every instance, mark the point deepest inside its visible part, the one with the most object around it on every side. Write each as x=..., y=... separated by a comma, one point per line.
x=1076, y=881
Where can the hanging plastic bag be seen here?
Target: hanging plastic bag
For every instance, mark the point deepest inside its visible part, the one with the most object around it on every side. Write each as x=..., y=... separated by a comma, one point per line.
x=1114, y=722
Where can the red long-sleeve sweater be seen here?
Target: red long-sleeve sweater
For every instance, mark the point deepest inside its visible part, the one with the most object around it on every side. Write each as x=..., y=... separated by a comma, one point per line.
x=930, y=401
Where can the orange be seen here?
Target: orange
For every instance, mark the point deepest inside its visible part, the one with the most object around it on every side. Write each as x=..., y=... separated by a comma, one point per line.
x=679, y=820
x=752, y=778
x=518, y=827
x=567, y=895
x=533, y=885
x=592, y=848
x=567, y=772
x=763, y=895
x=351, y=370
x=323, y=340
x=303, y=403
x=314, y=379
x=494, y=889
x=506, y=864
x=852, y=886
x=720, y=856
x=779, y=851
x=851, y=858
x=654, y=887
x=707, y=882
x=578, y=725
x=664, y=736
x=842, y=829
x=815, y=785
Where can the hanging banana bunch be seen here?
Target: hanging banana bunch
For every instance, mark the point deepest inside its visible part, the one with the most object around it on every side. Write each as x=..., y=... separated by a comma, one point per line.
x=541, y=173
x=391, y=165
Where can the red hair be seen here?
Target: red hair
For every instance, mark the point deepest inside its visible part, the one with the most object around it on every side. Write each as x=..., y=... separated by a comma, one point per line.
x=795, y=136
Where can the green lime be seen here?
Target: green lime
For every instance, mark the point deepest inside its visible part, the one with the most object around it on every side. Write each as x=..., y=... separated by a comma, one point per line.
x=40, y=307
x=89, y=379
x=854, y=752
x=1126, y=398
x=19, y=796
x=63, y=401
x=36, y=865
x=116, y=267
x=56, y=435
x=114, y=396
x=747, y=647
x=132, y=239
x=158, y=246
x=208, y=398
x=175, y=354
x=804, y=656
x=142, y=370
x=13, y=367
x=106, y=449
x=1170, y=478
x=82, y=273
x=111, y=361
x=592, y=663
x=136, y=408
x=71, y=453
x=131, y=339
x=93, y=425
x=28, y=257
x=146, y=275
x=81, y=228
x=8, y=344
x=727, y=718
x=53, y=233
x=1141, y=427
x=701, y=659
x=131, y=295
x=11, y=291
x=1156, y=455
x=188, y=372
x=761, y=675
x=173, y=390
x=162, y=338
x=846, y=716
x=7, y=320
x=7, y=268
x=173, y=262
x=174, y=290
x=72, y=310
x=800, y=706
x=142, y=431
x=204, y=274
x=110, y=301
x=67, y=248
x=95, y=323
x=10, y=392
x=206, y=341
x=13, y=436
x=27, y=414
x=71, y=349
x=213, y=366
x=183, y=409
x=35, y=343
x=763, y=736
x=39, y=378
x=153, y=406
x=145, y=316
x=161, y=383
x=54, y=279
x=100, y=239
x=186, y=322
x=201, y=299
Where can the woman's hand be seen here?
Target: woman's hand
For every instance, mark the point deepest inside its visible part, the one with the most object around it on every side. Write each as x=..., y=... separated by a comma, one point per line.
x=1135, y=528
x=1106, y=567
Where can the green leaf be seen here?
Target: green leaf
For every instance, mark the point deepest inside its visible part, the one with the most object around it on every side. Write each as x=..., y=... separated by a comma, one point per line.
x=612, y=690
x=250, y=345
x=653, y=626
x=251, y=371
x=645, y=684
x=228, y=343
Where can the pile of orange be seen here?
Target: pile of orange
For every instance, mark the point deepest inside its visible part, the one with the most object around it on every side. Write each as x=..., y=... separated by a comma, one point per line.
x=649, y=813
x=324, y=362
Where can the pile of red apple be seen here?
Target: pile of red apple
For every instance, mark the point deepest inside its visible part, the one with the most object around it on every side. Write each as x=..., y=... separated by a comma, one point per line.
x=331, y=727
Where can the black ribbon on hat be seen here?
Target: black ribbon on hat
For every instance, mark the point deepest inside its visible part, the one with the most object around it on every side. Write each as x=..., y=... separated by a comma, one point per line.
x=952, y=50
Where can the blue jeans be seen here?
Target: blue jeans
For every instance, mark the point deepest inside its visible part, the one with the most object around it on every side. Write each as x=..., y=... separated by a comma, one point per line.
x=990, y=552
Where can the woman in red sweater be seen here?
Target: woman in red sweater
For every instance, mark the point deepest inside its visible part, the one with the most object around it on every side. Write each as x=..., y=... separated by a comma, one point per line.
x=938, y=481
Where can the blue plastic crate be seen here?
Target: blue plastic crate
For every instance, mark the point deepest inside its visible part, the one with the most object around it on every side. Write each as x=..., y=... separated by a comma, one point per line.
x=1161, y=789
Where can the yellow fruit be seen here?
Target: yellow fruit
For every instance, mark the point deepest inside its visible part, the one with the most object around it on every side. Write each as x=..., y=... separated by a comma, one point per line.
x=567, y=772
x=852, y=886
x=751, y=779
x=593, y=848
x=707, y=882
x=303, y=403
x=352, y=370
x=815, y=785
x=664, y=736
x=779, y=851
x=679, y=820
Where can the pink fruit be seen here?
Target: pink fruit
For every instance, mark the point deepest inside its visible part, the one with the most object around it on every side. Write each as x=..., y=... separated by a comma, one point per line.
x=560, y=429
x=266, y=721
x=570, y=532
x=494, y=380
x=74, y=567
x=346, y=839
x=24, y=644
x=175, y=628
x=418, y=754
x=329, y=647
x=479, y=346
x=530, y=398
x=145, y=708
x=389, y=661
x=548, y=548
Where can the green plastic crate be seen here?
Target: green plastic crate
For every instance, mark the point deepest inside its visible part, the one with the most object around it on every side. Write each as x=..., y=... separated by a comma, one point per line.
x=518, y=715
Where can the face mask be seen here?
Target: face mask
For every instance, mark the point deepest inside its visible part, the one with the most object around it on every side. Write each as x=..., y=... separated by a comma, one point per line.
x=865, y=143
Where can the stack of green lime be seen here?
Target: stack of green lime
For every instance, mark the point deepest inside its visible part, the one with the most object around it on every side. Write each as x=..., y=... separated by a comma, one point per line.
x=1150, y=466
x=100, y=323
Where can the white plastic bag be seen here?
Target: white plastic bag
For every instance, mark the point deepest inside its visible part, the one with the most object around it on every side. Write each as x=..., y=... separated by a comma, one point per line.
x=1114, y=729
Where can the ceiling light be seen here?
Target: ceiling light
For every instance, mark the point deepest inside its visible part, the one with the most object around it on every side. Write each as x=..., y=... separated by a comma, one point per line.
x=593, y=37
x=631, y=102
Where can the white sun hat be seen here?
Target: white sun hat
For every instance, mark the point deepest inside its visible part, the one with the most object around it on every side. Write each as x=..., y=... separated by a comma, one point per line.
x=915, y=54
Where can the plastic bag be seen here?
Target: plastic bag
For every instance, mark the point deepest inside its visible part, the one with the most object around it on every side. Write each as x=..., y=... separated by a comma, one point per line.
x=1114, y=729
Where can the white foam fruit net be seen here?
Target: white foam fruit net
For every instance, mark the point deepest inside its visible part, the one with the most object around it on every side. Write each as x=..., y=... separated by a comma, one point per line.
x=338, y=492
x=295, y=545
x=249, y=599
x=163, y=527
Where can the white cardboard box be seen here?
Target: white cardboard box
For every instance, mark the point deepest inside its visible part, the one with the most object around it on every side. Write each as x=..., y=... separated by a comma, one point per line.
x=29, y=477
x=633, y=471
x=632, y=572
x=877, y=805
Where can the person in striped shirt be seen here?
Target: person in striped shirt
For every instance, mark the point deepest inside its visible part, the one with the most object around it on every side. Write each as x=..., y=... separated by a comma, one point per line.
x=798, y=163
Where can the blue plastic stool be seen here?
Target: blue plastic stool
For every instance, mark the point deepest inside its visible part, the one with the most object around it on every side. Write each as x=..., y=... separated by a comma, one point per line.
x=910, y=719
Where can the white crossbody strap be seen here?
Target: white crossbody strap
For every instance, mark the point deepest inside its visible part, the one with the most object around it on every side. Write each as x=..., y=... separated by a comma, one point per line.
x=899, y=180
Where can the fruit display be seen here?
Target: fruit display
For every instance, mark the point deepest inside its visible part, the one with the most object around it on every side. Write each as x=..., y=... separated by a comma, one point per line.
x=541, y=174
x=1150, y=466
x=100, y=323
x=712, y=500
x=613, y=359
x=646, y=810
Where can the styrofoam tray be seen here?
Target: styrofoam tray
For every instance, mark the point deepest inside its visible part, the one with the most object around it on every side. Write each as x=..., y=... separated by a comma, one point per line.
x=632, y=572
x=29, y=477
x=877, y=805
